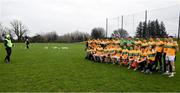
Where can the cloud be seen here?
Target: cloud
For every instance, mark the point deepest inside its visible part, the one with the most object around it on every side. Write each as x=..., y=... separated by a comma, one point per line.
x=65, y=16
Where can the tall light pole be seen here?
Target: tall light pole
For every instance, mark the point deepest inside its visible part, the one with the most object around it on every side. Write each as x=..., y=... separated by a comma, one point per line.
x=146, y=24
x=106, y=27
x=179, y=28
x=133, y=23
x=122, y=23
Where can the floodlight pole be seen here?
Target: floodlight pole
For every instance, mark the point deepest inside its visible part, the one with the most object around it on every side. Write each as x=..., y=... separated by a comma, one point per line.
x=1, y=10
x=179, y=28
x=106, y=27
x=146, y=22
x=133, y=23
x=146, y=16
x=122, y=23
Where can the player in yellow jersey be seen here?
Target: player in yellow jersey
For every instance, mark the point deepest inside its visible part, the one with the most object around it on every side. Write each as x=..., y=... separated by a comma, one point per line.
x=124, y=55
x=159, y=50
x=144, y=44
x=151, y=55
x=136, y=56
x=130, y=56
x=142, y=60
x=104, y=55
x=91, y=49
x=170, y=56
x=90, y=52
x=103, y=43
x=98, y=52
x=138, y=42
x=165, y=47
x=107, y=57
x=116, y=57
x=112, y=53
x=151, y=42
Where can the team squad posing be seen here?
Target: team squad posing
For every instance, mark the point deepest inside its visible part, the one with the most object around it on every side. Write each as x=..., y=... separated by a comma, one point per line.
x=145, y=55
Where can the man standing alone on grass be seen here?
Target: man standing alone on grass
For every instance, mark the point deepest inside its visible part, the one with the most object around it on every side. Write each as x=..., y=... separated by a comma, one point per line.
x=8, y=45
x=27, y=43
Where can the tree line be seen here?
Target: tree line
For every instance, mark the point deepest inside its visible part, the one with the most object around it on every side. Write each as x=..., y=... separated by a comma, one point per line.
x=16, y=29
x=76, y=36
x=151, y=29
x=20, y=31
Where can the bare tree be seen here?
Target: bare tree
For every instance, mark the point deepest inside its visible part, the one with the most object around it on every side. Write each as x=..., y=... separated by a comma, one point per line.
x=18, y=29
x=76, y=36
x=51, y=36
x=98, y=33
x=120, y=33
x=1, y=29
x=4, y=30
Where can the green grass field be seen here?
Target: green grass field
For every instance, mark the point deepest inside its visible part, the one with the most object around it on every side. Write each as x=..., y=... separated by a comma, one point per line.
x=40, y=69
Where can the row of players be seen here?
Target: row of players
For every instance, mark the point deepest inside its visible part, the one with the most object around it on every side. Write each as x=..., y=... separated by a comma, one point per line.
x=145, y=55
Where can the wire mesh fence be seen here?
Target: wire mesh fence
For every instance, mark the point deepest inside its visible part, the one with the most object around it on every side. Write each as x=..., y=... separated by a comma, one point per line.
x=168, y=15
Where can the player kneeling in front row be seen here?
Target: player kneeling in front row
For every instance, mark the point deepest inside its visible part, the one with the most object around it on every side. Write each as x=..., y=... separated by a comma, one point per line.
x=112, y=54
x=136, y=55
x=142, y=60
x=89, y=53
x=130, y=57
x=124, y=56
x=116, y=54
x=97, y=54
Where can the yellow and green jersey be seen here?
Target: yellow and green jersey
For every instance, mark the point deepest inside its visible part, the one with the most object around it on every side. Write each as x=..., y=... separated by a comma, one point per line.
x=165, y=47
x=138, y=42
x=171, y=49
x=152, y=43
x=159, y=46
x=143, y=55
x=125, y=51
x=130, y=53
x=136, y=54
x=118, y=50
x=111, y=51
x=144, y=45
x=151, y=55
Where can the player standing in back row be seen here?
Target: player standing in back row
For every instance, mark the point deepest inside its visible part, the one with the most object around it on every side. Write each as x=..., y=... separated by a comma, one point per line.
x=172, y=48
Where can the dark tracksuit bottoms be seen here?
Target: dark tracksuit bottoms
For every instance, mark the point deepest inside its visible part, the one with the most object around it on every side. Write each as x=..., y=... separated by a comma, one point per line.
x=158, y=59
x=164, y=61
x=8, y=51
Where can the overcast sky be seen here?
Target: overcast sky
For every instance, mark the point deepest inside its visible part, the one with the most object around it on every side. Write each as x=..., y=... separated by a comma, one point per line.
x=66, y=16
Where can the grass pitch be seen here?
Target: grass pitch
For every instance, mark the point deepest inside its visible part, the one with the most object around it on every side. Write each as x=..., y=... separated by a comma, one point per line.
x=62, y=67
